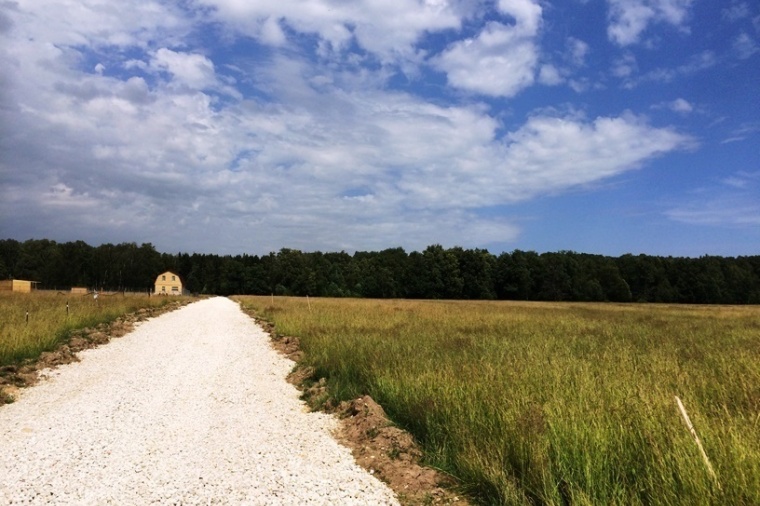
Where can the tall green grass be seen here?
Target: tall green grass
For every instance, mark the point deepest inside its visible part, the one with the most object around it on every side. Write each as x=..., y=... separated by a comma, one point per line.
x=531, y=403
x=49, y=323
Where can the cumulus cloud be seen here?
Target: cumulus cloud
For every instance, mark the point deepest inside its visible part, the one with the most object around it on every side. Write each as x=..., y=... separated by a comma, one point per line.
x=118, y=144
x=192, y=70
x=388, y=30
x=630, y=18
x=98, y=24
x=550, y=75
x=502, y=59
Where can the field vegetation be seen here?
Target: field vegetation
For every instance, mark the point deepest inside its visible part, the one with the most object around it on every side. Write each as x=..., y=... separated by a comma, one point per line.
x=39, y=321
x=552, y=403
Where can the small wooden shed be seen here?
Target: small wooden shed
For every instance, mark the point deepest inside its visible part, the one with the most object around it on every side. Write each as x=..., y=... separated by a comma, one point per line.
x=79, y=290
x=169, y=283
x=15, y=285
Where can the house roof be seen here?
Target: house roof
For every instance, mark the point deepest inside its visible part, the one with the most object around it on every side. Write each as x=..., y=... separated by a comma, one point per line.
x=169, y=272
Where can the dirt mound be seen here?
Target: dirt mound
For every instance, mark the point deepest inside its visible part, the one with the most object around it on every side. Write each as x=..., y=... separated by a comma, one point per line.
x=392, y=455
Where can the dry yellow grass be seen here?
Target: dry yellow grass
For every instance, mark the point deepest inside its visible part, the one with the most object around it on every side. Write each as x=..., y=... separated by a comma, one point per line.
x=534, y=403
x=49, y=322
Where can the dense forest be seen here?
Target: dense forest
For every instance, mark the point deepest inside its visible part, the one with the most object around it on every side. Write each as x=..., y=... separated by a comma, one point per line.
x=435, y=273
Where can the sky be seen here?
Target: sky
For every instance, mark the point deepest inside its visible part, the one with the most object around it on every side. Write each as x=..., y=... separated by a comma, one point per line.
x=247, y=126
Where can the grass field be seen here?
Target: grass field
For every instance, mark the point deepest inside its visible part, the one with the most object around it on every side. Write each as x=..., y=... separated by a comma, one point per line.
x=49, y=322
x=538, y=403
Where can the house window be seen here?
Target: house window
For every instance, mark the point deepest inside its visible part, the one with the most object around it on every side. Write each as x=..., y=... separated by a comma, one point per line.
x=175, y=289
x=163, y=278
x=173, y=278
x=163, y=288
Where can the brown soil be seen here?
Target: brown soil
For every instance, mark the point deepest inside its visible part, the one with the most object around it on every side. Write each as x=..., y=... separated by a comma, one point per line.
x=29, y=372
x=388, y=452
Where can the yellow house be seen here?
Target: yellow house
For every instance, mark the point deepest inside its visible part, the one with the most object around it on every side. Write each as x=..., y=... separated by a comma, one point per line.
x=15, y=285
x=169, y=283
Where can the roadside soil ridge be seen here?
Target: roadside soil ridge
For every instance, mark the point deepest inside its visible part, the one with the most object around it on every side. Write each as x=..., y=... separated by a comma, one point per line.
x=387, y=451
x=13, y=377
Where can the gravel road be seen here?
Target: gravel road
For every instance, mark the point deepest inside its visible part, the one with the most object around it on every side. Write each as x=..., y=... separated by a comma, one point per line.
x=191, y=407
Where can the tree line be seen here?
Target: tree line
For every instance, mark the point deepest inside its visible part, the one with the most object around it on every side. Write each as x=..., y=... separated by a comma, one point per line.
x=435, y=273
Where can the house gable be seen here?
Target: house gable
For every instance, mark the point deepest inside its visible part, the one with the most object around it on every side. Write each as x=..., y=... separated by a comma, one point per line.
x=169, y=283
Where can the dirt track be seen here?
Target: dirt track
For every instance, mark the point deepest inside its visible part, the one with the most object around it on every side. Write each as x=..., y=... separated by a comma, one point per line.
x=190, y=408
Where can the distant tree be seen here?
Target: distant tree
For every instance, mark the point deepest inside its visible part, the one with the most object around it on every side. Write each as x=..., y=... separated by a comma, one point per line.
x=614, y=287
x=514, y=278
x=232, y=277
x=433, y=273
x=555, y=281
x=9, y=252
x=477, y=268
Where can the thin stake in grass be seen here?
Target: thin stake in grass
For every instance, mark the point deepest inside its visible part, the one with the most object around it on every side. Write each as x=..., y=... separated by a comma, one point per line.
x=696, y=439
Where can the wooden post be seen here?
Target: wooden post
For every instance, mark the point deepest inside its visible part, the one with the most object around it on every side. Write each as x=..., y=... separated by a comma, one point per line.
x=696, y=439
x=27, y=317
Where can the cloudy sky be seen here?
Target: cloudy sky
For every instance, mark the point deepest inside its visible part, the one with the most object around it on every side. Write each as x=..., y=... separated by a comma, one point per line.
x=246, y=126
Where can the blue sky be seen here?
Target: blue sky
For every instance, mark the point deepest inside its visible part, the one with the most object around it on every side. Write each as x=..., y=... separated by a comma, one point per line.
x=244, y=126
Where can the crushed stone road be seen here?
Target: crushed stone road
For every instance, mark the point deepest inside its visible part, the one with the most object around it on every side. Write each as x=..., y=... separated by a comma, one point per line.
x=191, y=407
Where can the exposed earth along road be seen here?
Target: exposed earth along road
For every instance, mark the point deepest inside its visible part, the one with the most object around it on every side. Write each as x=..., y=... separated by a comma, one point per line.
x=191, y=407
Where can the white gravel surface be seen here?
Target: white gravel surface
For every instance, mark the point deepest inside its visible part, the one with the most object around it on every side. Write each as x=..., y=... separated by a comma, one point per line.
x=191, y=407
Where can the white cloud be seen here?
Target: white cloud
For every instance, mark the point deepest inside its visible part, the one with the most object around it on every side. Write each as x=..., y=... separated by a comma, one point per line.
x=500, y=61
x=745, y=46
x=329, y=160
x=697, y=63
x=527, y=14
x=192, y=70
x=731, y=203
x=550, y=75
x=630, y=18
x=389, y=30
x=717, y=213
x=743, y=132
x=101, y=24
x=625, y=66
x=133, y=157
x=681, y=105
x=736, y=12
x=576, y=52
x=551, y=153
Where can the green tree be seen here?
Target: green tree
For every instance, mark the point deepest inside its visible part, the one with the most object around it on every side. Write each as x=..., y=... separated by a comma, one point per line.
x=477, y=272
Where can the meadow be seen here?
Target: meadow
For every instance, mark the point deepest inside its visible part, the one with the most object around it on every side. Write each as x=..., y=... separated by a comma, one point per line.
x=550, y=403
x=49, y=322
